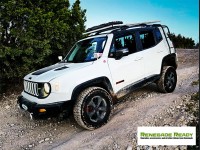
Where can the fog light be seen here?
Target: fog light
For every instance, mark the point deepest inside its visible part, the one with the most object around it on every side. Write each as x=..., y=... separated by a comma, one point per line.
x=42, y=110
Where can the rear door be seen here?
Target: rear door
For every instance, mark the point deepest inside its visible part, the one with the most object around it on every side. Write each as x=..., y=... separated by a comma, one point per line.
x=153, y=50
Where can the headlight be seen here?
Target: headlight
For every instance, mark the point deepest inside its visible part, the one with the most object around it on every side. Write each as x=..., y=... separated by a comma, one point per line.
x=46, y=88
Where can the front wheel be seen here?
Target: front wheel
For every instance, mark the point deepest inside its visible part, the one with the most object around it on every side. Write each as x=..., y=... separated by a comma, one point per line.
x=93, y=108
x=168, y=80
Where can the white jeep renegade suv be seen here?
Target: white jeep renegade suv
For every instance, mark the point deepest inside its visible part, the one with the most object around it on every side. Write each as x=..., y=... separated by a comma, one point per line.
x=112, y=61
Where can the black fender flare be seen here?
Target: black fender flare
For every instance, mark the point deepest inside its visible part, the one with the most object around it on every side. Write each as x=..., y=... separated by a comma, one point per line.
x=103, y=82
x=169, y=60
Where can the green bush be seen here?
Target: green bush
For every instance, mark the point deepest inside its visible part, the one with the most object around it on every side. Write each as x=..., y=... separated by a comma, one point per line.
x=34, y=32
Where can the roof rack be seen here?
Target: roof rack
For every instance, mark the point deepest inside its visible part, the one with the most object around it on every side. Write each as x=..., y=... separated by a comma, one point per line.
x=114, y=25
x=103, y=27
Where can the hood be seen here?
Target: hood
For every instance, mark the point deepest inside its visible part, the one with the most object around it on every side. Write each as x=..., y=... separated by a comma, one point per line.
x=48, y=73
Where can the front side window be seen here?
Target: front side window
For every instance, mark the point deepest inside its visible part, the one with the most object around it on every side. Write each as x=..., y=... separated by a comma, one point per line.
x=86, y=50
x=122, y=42
x=147, y=39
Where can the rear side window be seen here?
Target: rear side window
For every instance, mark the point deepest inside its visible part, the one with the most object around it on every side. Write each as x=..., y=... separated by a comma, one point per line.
x=147, y=39
x=158, y=35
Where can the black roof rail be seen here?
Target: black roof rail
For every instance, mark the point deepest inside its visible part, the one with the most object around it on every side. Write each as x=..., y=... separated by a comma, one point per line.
x=156, y=25
x=141, y=24
x=115, y=25
x=104, y=27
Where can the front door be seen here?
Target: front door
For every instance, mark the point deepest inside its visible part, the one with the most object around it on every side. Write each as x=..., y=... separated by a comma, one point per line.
x=130, y=68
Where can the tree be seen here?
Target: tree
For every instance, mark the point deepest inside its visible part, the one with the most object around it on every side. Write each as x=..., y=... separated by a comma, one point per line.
x=34, y=32
x=197, y=46
x=180, y=41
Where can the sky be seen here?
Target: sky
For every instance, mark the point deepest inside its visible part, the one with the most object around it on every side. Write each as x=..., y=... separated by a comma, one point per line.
x=181, y=16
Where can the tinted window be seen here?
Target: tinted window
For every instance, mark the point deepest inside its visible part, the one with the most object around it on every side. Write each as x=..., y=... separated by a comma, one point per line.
x=158, y=35
x=86, y=50
x=147, y=39
x=127, y=41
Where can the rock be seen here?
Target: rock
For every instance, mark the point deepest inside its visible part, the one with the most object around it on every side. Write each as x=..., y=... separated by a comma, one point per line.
x=7, y=107
x=129, y=148
x=115, y=145
x=30, y=146
x=92, y=133
x=47, y=139
x=182, y=118
x=41, y=141
x=1, y=132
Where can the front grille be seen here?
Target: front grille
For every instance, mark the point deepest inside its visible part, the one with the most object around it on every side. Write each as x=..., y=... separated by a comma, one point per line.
x=31, y=88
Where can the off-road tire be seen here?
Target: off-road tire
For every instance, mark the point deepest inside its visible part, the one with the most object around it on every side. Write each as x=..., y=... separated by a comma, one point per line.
x=168, y=80
x=93, y=108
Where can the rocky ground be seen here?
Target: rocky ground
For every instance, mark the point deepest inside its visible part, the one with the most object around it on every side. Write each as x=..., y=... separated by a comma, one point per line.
x=144, y=107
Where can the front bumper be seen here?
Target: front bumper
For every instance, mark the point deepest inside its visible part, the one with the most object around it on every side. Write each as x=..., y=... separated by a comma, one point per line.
x=44, y=109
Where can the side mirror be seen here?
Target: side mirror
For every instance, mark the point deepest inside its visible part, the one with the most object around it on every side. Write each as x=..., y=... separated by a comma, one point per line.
x=60, y=58
x=120, y=53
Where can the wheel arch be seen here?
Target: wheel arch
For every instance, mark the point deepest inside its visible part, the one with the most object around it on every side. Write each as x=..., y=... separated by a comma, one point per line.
x=102, y=82
x=169, y=60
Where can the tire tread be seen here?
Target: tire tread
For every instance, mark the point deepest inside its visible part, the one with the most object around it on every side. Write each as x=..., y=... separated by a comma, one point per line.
x=78, y=106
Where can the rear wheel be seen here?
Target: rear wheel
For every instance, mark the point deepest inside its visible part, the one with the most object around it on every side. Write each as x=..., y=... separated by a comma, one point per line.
x=93, y=108
x=168, y=80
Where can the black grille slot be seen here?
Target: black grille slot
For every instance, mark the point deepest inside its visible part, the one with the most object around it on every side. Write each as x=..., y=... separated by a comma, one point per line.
x=31, y=88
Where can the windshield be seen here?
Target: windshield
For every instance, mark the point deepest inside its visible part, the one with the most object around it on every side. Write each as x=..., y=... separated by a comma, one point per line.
x=86, y=50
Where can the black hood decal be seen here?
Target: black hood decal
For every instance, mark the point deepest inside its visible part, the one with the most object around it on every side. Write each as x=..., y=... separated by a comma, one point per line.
x=56, y=66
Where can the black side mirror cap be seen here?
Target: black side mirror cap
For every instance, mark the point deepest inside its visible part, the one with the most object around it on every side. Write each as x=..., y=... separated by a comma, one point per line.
x=120, y=53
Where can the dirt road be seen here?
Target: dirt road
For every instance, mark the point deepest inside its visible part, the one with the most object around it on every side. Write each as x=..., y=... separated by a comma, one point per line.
x=144, y=107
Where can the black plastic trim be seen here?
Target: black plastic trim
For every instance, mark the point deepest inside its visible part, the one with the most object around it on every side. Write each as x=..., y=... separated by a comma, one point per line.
x=51, y=108
x=100, y=81
x=169, y=60
x=132, y=87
